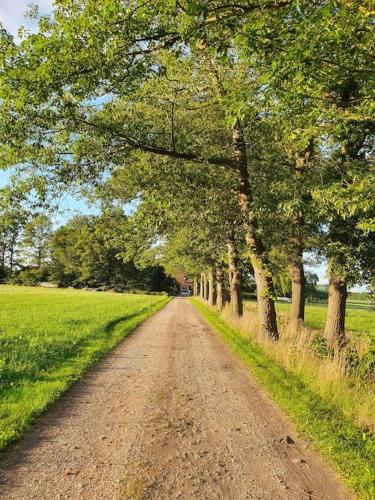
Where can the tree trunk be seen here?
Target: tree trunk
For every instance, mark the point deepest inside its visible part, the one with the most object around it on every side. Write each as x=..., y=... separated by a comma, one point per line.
x=201, y=291
x=211, y=289
x=206, y=287
x=3, y=249
x=11, y=257
x=297, y=275
x=256, y=250
x=297, y=271
x=195, y=287
x=219, y=288
x=234, y=278
x=39, y=258
x=225, y=286
x=334, y=329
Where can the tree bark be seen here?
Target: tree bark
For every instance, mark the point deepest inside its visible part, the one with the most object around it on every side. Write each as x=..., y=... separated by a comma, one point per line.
x=256, y=250
x=211, y=288
x=206, y=287
x=297, y=275
x=11, y=257
x=225, y=286
x=3, y=249
x=219, y=288
x=334, y=329
x=234, y=278
x=39, y=258
x=201, y=291
x=297, y=272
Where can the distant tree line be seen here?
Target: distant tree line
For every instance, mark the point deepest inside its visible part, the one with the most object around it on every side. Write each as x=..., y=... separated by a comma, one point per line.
x=76, y=254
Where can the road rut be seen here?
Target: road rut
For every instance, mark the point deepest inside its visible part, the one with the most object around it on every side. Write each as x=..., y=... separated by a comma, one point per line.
x=169, y=414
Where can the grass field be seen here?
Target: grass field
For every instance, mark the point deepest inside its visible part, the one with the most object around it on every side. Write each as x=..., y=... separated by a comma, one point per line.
x=316, y=404
x=48, y=339
x=359, y=318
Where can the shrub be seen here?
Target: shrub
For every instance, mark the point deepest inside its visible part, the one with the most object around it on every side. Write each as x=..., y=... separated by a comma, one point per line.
x=29, y=277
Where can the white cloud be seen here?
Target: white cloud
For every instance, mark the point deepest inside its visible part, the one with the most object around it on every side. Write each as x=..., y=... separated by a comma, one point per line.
x=12, y=13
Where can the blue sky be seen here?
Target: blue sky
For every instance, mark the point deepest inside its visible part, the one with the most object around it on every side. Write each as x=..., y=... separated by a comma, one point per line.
x=12, y=17
x=12, y=13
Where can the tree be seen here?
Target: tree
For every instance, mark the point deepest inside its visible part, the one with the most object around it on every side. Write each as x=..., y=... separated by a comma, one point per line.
x=11, y=224
x=86, y=252
x=332, y=76
x=36, y=240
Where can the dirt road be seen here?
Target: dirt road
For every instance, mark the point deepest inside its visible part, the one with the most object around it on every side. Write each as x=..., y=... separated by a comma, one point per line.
x=169, y=414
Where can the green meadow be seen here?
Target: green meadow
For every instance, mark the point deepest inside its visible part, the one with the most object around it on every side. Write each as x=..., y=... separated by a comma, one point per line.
x=50, y=337
x=360, y=316
x=357, y=319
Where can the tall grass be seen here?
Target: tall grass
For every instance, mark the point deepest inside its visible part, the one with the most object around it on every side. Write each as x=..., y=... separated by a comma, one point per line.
x=49, y=338
x=344, y=377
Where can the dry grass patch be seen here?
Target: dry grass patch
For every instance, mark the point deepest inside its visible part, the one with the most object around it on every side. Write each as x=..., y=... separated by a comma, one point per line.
x=345, y=377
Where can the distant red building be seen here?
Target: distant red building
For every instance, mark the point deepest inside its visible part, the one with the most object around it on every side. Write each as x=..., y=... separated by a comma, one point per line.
x=185, y=284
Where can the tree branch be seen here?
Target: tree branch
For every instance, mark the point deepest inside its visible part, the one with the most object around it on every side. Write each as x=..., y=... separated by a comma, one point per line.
x=252, y=7
x=158, y=150
x=213, y=160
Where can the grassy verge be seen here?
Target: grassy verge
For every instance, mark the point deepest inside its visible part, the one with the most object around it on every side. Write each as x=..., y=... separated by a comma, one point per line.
x=49, y=338
x=349, y=449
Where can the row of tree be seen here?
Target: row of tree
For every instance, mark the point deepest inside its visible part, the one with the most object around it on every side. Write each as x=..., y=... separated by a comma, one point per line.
x=80, y=253
x=241, y=128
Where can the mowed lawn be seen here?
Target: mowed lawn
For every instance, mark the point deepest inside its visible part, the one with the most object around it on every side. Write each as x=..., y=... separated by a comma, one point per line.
x=49, y=337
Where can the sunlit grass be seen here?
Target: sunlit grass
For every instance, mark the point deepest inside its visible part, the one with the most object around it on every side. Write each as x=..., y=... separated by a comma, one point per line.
x=48, y=339
x=359, y=318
